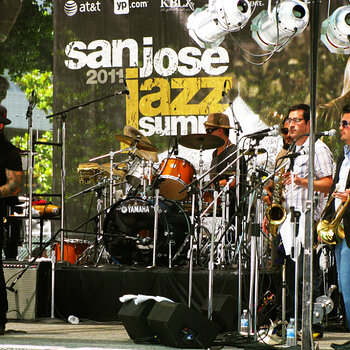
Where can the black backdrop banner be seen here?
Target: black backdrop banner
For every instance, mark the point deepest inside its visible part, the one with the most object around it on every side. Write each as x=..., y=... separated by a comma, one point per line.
x=104, y=47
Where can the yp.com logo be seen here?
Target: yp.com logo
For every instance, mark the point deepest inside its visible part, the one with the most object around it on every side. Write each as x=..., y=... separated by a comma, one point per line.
x=121, y=7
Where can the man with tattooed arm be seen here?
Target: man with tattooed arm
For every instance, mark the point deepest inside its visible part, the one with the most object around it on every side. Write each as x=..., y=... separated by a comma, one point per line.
x=10, y=185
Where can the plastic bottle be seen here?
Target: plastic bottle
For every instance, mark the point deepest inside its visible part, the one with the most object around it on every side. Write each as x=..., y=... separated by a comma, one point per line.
x=244, y=322
x=290, y=333
x=73, y=319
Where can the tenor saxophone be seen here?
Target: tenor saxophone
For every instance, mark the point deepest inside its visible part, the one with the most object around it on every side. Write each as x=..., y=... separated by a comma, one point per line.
x=275, y=213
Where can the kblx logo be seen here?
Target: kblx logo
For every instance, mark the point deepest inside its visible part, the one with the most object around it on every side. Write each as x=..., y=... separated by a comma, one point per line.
x=177, y=4
x=121, y=7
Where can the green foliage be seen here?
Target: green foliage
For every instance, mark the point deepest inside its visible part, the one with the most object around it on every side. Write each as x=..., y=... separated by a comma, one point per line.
x=41, y=83
x=29, y=45
x=42, y=171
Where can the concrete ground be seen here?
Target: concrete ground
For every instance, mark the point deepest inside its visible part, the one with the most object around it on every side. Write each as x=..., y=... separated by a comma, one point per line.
x=57, y=334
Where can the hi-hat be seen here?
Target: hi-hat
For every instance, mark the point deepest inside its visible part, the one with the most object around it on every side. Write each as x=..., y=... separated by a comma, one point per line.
x=252, y=151
x=201, y=141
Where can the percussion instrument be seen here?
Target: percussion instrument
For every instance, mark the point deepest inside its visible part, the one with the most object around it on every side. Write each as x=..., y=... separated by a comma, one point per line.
x=175, y=174
x=141, y=153
x=88, y=172
x=129, y=226
x=201, y=141
x=72, y=249
x=139, y=170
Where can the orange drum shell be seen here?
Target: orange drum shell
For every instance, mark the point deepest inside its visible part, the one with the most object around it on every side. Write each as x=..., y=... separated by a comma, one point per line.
x=72, y=250
x=176, y=174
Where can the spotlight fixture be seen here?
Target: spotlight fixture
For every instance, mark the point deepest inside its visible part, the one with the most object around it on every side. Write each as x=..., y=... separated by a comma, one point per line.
x=208, y=25
x=335, y=32
x=272, y=29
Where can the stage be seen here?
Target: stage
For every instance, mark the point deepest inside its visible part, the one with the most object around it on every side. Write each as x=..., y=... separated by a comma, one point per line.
x=58, y=334
x=92, y=294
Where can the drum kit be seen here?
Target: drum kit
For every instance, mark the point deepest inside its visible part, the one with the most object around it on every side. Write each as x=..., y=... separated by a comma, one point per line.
x=151, y=223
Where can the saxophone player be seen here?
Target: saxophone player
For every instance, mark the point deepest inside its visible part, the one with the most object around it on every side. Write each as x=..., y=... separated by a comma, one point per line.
x=342, y=183
x=296, y=187
x=295, y=194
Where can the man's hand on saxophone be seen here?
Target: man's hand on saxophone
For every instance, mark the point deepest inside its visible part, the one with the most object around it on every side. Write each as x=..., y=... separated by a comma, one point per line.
x=342, y=195
x=298, y=181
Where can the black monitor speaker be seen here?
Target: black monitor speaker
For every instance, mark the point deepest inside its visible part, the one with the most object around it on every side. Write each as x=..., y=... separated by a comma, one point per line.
x=177, y=325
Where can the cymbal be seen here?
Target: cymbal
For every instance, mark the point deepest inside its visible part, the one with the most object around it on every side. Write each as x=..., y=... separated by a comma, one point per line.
x=201, y=141
x=134, y=136
x=107, y=168
x=251, y=151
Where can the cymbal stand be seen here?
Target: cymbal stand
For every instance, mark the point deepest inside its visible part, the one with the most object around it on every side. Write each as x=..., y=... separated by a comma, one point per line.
x=155, y=231
x=111, y=154
x=225, y=202
x=200, y=198
x=143, y=177
x=190, y=255
x=211, y=262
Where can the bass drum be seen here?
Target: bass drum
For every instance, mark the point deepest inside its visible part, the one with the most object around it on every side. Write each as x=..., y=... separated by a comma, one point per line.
x=128, y=232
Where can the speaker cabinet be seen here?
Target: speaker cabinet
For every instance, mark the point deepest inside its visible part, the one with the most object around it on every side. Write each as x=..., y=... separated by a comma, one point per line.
x=224, y=311
x=179, y=326
x=134, y=319
x=32, y=295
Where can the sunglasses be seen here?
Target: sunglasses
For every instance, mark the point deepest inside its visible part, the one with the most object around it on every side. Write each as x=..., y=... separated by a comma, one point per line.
x=344, y=123
x=209, y=131
x=284, y=131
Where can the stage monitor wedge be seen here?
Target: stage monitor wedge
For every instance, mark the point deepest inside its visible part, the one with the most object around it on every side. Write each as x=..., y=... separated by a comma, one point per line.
x=134, y=319
x=178, y=326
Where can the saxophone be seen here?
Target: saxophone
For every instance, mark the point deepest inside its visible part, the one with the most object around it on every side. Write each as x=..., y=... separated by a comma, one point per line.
x=275, y=213
x=332, y=231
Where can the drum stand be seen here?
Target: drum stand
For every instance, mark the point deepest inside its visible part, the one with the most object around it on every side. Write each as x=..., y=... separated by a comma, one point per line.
x=97, y=249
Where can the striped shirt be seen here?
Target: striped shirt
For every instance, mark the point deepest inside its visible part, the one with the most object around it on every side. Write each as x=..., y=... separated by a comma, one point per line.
x=296, y=195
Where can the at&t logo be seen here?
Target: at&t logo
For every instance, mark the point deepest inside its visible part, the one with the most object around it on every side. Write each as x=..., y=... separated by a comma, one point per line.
x=71, y=7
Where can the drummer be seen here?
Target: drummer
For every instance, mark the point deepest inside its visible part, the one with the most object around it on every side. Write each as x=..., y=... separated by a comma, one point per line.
x=218, y=124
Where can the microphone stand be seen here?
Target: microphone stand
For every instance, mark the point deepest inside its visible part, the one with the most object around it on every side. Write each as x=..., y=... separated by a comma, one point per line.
x=63, y=116
x=31, y=173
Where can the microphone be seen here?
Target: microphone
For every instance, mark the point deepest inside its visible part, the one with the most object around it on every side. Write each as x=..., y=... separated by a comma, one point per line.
x=330, y=133
x=145, y=241
x=224, y=93
x=176, y=147
x=262, y=172
x=294, y=155
x=126, y=92
x=271, y=131
x=11, y=289
x=31, y=105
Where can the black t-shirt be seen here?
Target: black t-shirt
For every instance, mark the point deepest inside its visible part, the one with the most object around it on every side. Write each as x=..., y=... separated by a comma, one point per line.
x=9, y=159
x=230, y=150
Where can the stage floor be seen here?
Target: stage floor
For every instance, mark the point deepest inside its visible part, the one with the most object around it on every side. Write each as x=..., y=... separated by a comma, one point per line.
x=57, y=334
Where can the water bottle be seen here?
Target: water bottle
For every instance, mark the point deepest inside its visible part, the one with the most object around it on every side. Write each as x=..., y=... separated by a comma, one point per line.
x=290, y=333
x=244, y=322
x=73, y=319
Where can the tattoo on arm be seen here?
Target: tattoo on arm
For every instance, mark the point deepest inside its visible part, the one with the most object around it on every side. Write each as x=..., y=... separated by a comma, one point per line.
x=13, y=185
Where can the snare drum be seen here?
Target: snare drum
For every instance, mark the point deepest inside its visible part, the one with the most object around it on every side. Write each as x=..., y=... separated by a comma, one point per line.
x=72, y=249
x=139, y=170
x=175, y=174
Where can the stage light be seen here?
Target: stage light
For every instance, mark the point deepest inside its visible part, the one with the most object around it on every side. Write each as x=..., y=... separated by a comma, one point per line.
x=208, y=25
x=335, y=32
x=272, y=29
